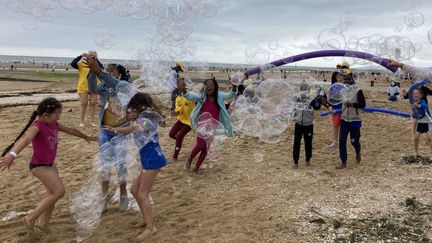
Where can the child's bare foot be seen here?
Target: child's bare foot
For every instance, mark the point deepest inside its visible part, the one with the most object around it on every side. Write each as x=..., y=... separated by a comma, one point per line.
x=81, y=124
x=94, y=124
x=147, y=232
x=28, y=224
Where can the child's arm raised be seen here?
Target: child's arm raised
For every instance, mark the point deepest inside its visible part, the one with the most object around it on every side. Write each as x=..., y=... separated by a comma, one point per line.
x=6, y=162
x=77, y=133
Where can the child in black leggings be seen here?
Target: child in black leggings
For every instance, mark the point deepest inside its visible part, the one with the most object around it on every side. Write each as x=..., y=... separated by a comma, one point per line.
x=304, y=127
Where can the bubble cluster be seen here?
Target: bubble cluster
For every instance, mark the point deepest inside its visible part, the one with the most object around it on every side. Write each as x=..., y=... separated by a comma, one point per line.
x=266, y=110
x=118, y=155
x=170, y=41
x=400, y=48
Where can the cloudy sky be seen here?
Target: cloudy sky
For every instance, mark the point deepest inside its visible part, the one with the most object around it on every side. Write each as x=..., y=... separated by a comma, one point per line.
x=279, y=27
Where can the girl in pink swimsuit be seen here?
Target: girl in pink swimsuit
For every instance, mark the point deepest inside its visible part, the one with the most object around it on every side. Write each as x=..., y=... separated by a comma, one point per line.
x=42, y=133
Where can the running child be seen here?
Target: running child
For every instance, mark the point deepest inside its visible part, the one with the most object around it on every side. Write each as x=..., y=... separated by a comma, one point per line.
x=210, y=100
x=42, y=133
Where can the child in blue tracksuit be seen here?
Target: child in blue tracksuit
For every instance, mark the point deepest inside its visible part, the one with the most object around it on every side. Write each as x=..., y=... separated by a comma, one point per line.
x=351, y=123
x=423, y=117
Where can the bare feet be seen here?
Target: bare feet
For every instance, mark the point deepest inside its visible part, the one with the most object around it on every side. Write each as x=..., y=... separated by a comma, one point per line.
x=94, y=124
x=147, y=232
x=28, y=224
x=81, y=124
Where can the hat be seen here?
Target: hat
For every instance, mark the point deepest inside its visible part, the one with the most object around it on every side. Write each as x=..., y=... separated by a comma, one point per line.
x=181, y=65
x=344, y=68
x=343, y=65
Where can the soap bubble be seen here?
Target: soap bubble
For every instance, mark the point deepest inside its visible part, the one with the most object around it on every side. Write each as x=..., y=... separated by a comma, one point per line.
x=216, y=147
x=273, y=45
x=105, y=39
x=398, y=28
x=339, y=93
x=414, y=19
x=209, y=127
x=124, y=92
x=430, y=36
x=237, y=78
x=256, y=55
x=331, y=39
x=259, y=157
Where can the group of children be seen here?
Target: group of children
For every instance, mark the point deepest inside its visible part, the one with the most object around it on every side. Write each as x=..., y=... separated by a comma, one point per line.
x=43, y=127
x=42, y=131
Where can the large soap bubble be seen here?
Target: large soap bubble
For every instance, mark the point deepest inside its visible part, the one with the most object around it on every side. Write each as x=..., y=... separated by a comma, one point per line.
x=339, y=93
x=124, y=92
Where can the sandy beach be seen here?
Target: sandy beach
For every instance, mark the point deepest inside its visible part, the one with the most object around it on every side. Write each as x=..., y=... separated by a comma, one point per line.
x=237, y=198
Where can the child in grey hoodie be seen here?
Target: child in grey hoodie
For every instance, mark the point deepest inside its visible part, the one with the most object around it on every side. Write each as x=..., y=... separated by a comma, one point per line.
x=304, y=127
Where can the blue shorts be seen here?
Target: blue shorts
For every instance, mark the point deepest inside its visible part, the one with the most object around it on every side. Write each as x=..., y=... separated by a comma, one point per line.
x=152, y=157
x=112, y=152
x=424, y=127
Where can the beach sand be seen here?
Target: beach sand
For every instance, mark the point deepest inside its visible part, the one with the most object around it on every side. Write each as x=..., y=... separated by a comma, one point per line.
x=239, y=199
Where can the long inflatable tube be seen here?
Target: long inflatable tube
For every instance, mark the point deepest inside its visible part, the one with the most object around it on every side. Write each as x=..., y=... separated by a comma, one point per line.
x=414, y=86
x=373, y=109
x=324, y=53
